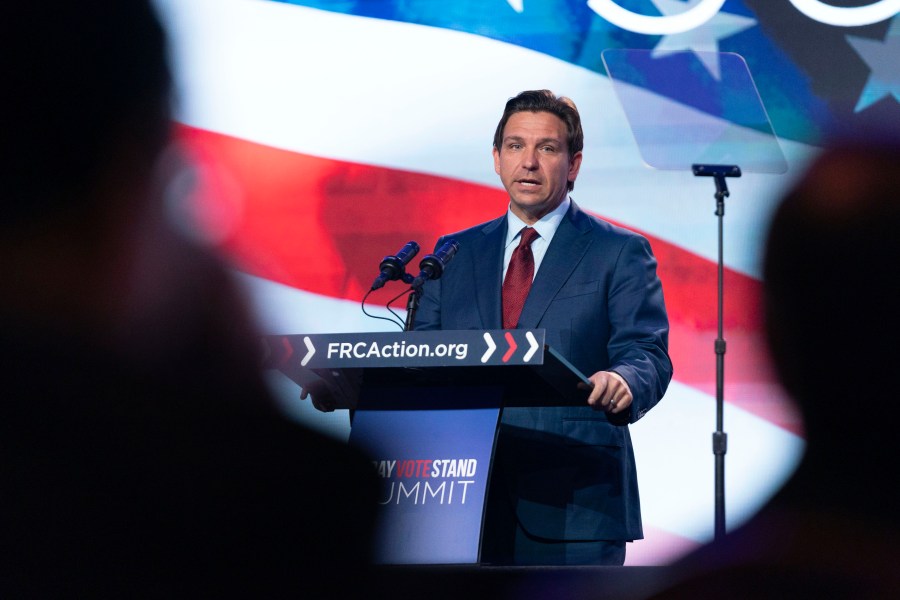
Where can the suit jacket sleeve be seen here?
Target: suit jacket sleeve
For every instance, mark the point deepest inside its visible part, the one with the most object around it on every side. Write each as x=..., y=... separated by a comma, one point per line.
x=639, y=327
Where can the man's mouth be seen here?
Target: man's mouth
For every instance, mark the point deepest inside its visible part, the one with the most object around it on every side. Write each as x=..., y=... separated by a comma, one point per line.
x=528, y=182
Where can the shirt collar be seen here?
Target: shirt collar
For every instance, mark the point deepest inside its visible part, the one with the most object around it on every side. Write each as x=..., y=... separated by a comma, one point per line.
x=546, y=226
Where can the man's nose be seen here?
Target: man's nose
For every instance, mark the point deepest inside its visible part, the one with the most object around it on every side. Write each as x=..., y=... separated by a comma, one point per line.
x=530, y=160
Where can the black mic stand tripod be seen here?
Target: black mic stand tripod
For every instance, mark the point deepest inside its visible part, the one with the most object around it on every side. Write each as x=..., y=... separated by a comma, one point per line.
x=719, y=438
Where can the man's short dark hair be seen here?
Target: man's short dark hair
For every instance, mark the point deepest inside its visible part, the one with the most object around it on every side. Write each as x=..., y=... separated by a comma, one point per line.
x=545, y=101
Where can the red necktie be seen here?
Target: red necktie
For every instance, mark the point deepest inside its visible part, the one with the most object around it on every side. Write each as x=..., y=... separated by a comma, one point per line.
x=518, y=278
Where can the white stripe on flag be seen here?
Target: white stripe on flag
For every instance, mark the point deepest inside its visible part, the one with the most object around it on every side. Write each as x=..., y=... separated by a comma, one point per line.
x=427, y=100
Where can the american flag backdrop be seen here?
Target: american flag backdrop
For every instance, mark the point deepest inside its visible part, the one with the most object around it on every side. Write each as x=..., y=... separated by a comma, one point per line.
x=325, y=134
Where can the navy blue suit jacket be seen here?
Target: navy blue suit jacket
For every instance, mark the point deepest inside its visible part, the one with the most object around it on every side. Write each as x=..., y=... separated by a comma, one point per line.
x=570, y=471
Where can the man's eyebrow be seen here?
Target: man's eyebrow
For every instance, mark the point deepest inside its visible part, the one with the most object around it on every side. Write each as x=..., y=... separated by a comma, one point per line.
x=516, y=138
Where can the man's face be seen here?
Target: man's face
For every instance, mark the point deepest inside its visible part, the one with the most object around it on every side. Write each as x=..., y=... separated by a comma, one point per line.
x=533, y=163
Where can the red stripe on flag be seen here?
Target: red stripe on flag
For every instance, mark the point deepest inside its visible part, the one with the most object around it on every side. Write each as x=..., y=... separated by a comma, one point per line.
x=323, y=226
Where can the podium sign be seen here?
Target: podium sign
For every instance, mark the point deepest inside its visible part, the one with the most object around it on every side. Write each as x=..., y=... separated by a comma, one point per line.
x=473, y=357
x=405, y=349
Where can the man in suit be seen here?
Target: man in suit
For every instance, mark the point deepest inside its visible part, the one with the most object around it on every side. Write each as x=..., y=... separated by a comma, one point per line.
x=564, y=490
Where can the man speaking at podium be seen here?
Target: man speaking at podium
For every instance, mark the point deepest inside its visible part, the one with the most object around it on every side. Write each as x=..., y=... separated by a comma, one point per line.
x=564, y=489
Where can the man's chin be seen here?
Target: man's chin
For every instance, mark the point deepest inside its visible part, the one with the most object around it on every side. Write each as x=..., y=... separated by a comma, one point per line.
x=533, y=210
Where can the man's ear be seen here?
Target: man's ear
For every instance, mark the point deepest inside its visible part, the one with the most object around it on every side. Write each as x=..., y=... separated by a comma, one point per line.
x=574, y=167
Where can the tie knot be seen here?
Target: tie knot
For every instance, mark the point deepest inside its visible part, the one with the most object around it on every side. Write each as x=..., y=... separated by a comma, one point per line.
x=528, y=235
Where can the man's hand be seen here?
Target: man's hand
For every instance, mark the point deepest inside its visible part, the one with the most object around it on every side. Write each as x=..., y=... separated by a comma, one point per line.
x=320, y=395
x=337, y=390
x=610, y=392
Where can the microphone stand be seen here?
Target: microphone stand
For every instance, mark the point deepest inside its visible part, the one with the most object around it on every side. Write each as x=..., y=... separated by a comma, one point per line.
x=432, y=267
x=412, y=305
x=412, y=302
x=719, y=438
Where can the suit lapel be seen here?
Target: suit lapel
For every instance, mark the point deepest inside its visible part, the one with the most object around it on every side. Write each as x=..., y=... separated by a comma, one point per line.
x=566, y=250
x=487, y=268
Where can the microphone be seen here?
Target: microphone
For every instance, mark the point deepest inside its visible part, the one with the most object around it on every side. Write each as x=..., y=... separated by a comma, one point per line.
x=432, y=266
x=394, y=267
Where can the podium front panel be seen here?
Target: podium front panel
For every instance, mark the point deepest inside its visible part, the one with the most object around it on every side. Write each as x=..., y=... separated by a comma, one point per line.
x=434, y=466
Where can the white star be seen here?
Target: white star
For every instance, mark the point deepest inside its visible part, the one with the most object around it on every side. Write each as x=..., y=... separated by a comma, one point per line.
x=517, y=5
x=704, y=40
x=883, y=61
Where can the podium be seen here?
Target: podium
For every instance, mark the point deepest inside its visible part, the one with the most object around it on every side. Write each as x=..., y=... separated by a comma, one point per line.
x=426, y=407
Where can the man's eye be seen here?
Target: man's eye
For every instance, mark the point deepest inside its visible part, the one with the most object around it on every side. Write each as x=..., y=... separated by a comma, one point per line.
x=515, y=146
x=548, y=149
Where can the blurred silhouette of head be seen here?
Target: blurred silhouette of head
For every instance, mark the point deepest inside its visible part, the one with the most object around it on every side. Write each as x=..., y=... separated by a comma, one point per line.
x=140, y=451
x=86, y=88
x=831, y=295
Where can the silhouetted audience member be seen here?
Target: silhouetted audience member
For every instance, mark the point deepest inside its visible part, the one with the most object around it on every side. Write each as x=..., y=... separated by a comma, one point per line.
x=831, y=301
x=140, y=452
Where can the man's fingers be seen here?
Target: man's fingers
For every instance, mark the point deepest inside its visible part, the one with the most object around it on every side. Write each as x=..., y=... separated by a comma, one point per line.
x=596, y=397
x=610, y=393
x=599, y=395
x=621, y=402
x=322, y=406
x=320, y=395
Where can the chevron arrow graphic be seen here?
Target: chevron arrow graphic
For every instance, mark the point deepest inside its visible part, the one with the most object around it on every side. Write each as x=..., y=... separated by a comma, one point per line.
x=532, y=342
x=491, y=347
x=310, y=351
x=512, y=346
